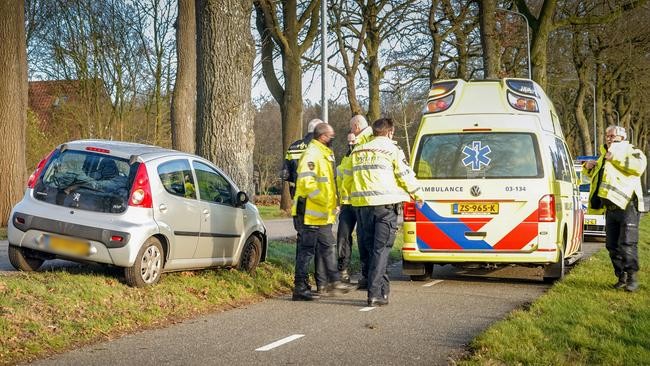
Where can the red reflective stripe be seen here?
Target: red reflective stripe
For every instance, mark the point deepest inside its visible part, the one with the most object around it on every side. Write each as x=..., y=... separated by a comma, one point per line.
x=521, y=235
x=408, y=249
x=434, y=238
x=475, y=224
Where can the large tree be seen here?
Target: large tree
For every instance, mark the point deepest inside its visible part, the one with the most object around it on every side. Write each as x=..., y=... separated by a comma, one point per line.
x=183, y=113
x=13, y=105
x=224, y=123
x=291, y=33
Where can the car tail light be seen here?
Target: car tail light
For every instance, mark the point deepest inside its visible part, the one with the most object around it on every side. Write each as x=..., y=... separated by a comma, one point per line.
x=98, y=149
x=141, y=190
x=546, y=209
x=409, y=211
x=440, y=104
x=522, y=103
x=31, y=182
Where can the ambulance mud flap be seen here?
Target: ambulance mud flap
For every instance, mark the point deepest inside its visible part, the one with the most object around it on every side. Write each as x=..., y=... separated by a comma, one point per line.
x=413, y=268
x=555, y=271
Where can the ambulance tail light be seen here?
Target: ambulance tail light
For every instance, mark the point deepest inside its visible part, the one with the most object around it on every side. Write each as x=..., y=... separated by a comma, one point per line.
x=522, y=103
x=546, y=209
x=439, y=105
x=409, y=211
x=31, y=182
x=440, y=97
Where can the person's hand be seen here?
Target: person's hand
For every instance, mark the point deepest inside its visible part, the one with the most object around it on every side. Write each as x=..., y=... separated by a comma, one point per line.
x=338, y=209
x=590, y=164
x=608, y=156
x=419, y=202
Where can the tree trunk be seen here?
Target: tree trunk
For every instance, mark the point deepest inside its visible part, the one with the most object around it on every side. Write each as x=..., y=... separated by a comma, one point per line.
x=539, y=50
x=373, y=42
x=183, y=113
x=13, y=105
x=487, y=10
x=224, y=73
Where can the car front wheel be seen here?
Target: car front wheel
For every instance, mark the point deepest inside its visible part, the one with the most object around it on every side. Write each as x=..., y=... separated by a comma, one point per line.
x=148, y=265
x=21, y=261
x=251, y=254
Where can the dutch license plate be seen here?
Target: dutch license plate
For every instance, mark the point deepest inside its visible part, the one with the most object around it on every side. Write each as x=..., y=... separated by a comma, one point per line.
x=69, y=246
x=475, y=208
x=590, y=221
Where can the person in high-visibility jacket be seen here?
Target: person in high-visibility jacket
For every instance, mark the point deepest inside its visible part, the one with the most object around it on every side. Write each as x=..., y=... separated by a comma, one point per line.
x=381, y=181
x=316, y=200
x=616, y=189
x=347, y=215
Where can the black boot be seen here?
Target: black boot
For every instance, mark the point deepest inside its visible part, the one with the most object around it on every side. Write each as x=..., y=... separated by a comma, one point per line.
x=338, y=288
x=632, y=282
x=622, y=281
x=302, y=295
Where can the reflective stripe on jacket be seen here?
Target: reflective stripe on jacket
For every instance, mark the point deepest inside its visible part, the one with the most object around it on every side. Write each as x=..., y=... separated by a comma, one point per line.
x=621, y=176
x=316, y=184
x=380, y=174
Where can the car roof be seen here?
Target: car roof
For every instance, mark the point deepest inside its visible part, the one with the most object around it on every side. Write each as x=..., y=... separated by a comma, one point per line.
x=125, y=149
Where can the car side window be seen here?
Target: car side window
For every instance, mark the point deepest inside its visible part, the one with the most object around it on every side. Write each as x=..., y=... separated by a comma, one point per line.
x=213, y=187
x=176, y=177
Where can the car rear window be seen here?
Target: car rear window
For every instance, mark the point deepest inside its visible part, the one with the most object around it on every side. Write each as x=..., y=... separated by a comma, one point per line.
x=478, y=155
x=87, y=181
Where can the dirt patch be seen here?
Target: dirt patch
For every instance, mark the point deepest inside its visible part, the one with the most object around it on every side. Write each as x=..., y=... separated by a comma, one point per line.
x=267, y=200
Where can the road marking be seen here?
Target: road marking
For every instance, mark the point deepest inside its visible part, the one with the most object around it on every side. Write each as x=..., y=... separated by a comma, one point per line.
x=280, y=342
x=432, y=283
x=367, y=308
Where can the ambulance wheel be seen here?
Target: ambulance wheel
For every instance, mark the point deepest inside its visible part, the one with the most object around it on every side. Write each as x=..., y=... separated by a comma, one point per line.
x=428, y=271
x=555, y=271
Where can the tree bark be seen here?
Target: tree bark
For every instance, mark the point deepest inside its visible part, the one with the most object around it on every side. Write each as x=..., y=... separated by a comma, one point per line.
x=183, y=112
x=13, y=105
x=372, y=44
x=224, y=74
x=487, y=10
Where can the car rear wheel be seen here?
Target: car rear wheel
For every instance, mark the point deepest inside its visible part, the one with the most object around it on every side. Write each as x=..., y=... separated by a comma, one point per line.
x=251, y=254
x=148, y=265
x=22, y=261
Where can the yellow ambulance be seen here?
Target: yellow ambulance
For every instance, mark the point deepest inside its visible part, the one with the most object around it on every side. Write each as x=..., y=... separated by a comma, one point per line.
x=497, y=178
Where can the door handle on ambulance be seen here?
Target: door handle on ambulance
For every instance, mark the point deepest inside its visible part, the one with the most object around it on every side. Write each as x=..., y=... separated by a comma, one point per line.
x=475, y=234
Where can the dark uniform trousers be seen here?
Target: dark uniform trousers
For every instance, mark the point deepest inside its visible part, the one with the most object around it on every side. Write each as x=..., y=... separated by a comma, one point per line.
x=376, y=228
x=347, y=222
x=315, y=239
x=622, y=237
x=319, y=264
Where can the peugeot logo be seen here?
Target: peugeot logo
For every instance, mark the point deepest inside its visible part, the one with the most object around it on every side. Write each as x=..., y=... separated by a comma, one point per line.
x=475, y=191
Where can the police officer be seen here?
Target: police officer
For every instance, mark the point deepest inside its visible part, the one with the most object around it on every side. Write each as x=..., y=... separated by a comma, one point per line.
x=347, y=215
x=382, y=179
x=289, y=174
x=316, y=199
x=616, y=189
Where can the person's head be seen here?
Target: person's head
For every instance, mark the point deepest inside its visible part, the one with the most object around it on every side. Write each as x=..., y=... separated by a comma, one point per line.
x=357, y=124
x=312, y=124
x=324, y=133
x=383, y=127
x=352, y=139
x=614, y=134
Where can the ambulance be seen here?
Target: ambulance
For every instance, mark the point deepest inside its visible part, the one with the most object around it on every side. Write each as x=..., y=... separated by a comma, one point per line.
x=497, y=178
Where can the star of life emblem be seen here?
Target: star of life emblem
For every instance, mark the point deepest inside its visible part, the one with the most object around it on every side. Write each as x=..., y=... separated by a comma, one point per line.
x=476, y=155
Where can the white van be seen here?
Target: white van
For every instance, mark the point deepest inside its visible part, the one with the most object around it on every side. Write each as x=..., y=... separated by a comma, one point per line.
x=498, y=181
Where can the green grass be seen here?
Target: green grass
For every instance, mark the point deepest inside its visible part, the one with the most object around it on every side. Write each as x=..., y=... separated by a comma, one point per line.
x=272, y=212
x=3, y=233
x=582, y=320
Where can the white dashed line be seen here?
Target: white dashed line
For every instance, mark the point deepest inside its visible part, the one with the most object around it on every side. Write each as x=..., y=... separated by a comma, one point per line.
x=280, y=342
x=367, y=308
x=432, y=283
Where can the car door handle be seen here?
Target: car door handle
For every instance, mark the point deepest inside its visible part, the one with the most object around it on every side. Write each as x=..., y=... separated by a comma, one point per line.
x=206, y=212
x=162, y=207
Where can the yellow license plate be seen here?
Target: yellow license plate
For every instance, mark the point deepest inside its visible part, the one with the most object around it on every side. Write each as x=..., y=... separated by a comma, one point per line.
x=69, y=246
x=475, y=208
x=590, y=221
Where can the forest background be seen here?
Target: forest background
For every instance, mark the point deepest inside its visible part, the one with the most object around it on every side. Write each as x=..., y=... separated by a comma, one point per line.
x=181, y=73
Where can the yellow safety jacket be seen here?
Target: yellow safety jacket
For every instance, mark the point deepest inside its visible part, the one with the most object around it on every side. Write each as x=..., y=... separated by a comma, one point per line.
x=316, y=185
x=380, y=174
x=344, y=169
x=364, y=136
x=621, y=176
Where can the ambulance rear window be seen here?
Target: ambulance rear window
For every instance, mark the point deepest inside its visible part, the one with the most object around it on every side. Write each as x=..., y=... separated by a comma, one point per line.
x=478, y=155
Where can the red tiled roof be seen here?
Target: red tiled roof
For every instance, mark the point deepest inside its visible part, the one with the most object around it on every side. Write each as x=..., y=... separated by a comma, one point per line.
x=44, y=96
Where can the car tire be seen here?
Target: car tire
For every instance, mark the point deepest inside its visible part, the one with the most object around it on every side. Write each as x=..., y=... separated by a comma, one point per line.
x=148, y=266
x=21, y=261
x=250, y=255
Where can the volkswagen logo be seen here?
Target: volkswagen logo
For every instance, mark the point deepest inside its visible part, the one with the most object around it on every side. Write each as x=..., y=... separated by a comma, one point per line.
x=475, y=191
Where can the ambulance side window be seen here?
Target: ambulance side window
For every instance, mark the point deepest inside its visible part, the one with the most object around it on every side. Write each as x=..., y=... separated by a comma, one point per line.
x=560, y=157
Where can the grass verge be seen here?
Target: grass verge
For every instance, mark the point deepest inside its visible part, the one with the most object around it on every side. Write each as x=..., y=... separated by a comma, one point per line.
x=581, y=320
x=272, y=212
x=49, y=312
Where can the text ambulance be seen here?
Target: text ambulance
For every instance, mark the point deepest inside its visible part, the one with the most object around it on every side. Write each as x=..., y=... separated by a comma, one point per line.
x=497, y=178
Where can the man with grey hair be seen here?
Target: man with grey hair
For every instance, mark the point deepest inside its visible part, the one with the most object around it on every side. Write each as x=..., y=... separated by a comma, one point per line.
x=289, y=173
x=616, y=189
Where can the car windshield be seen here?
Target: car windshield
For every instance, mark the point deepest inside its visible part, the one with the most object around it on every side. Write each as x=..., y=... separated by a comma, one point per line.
x=478, y=155
x=86, y=181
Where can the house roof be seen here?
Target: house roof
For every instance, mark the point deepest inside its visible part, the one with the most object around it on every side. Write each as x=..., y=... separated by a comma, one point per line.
x=45, y=96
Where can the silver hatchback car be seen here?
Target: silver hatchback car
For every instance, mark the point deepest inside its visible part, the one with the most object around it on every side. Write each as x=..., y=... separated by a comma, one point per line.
x=145, y=208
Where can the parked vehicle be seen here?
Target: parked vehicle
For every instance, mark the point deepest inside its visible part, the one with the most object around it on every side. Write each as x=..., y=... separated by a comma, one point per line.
x=144, y=208
x=498, y=181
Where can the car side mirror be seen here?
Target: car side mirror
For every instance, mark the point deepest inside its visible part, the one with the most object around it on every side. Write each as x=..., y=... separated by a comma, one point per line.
x=242, y=198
